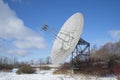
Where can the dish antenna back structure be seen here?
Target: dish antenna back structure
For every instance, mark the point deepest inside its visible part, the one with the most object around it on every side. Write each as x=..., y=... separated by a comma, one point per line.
x=68, y=40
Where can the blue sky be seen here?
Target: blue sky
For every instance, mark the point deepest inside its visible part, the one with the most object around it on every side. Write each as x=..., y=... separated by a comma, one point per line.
x=20, y=22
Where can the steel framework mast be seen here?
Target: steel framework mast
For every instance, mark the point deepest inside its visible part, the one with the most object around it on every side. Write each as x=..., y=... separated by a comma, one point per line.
x=81, y=52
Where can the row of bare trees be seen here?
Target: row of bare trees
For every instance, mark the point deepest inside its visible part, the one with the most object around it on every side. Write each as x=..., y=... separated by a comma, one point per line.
x=107, y=51
x=41, y=61
x=109, y=54
x=6, y=60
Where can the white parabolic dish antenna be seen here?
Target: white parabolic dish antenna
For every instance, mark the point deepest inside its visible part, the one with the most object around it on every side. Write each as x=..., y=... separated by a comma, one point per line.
x=67, y=38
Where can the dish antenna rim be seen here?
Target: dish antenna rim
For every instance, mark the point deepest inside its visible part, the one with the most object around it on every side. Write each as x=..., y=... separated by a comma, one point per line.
x=64, y=44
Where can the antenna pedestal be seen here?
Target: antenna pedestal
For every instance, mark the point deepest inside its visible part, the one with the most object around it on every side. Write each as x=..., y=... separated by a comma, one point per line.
x=81, y=55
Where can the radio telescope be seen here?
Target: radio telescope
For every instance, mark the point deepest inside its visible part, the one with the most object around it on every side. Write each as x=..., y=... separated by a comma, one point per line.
x=68, y=39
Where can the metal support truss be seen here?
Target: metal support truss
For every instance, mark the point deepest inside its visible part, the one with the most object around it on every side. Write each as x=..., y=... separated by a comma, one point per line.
x=81, y=53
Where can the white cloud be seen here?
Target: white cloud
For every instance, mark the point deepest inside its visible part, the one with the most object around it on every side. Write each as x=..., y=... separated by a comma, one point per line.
x=18, y=52
x=30, y=42
x=10, y=25
x=13, y=29
x=115, y=34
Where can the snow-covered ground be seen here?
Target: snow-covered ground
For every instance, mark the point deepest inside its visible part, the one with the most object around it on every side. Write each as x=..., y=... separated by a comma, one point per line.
x=48, y=75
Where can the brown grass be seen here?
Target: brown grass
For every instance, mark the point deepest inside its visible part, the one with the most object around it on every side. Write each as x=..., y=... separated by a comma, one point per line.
x=45, y=68
x=63, y=69
x=90, y=69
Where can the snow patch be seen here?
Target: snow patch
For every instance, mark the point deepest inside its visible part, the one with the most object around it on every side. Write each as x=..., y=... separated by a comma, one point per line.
x=48, y=75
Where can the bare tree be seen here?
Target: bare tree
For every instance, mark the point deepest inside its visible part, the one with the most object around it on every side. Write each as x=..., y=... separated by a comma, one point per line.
x=107, y=51
x=93, y=51
x=48, y=60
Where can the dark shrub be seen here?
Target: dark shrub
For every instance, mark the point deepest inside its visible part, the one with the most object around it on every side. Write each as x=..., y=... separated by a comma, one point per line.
x=6, y=67
x=26, y=69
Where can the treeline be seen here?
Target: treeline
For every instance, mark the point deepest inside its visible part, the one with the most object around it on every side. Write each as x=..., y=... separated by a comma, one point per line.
x=107, y=52
x=107, y=56
x=7, y=64
x=104, y=60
